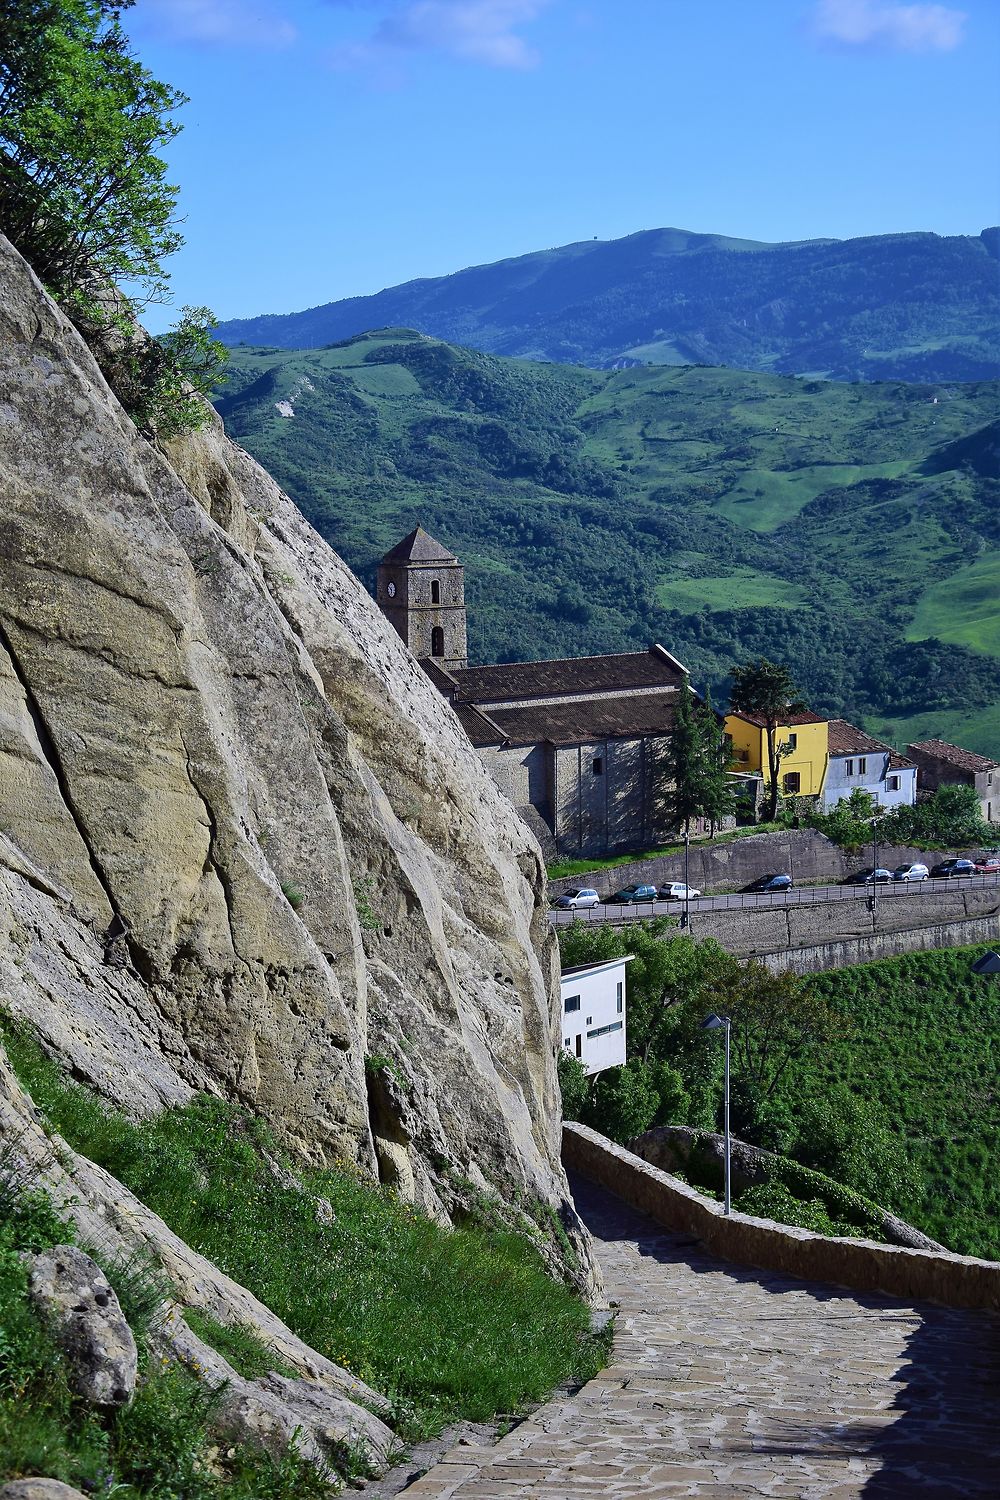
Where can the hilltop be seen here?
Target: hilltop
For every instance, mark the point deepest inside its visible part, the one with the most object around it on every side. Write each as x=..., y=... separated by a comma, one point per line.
x=849, y=530
x=892, y=306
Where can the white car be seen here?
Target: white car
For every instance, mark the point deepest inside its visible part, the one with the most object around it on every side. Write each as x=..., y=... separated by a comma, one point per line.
x=676, y=890
x=910, y=872
x=570, y=900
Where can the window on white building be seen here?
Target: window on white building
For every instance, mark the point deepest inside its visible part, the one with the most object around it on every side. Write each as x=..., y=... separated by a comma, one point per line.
x=849, y=768
x=862, y=766
x=572, y=1003
x=620, y=1005
x=892, y=782
x=605, y=1030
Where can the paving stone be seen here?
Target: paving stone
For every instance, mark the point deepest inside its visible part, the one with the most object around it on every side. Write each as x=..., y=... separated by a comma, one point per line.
x=727, y=1383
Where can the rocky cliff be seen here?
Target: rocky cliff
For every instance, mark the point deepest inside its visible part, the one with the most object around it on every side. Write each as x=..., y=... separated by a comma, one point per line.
x=245, y=848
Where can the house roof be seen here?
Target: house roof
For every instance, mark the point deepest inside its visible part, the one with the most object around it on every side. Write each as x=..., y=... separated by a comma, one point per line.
x=955, y=755
x=601, y=963
x=580, y=721
x=848, y=739
x=419, y=546
x=805, y=716
x=569, y=677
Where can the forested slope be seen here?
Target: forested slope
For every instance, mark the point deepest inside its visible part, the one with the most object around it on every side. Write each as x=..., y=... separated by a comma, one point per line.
x=891, y=306
x=850, y=530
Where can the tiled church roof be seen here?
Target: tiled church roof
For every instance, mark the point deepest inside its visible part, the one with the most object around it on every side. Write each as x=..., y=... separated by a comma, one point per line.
x=580, y=721
x=571, y=677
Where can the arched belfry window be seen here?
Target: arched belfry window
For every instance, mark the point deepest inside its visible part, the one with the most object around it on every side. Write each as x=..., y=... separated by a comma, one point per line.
x=437, y=641
x=435, y=591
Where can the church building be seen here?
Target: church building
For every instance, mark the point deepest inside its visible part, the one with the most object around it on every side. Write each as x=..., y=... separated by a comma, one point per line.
x=577, y=745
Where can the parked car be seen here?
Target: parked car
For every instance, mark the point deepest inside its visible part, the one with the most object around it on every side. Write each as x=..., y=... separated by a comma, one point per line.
x=988, y=864
x=570, y=900
x=950, y=867
x=633, y=893
x=914, y=872
x=870, y=877
x=676, y=890
x=771, y=883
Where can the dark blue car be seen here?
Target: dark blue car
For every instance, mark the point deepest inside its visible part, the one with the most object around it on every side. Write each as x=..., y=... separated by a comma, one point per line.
x=772, y=883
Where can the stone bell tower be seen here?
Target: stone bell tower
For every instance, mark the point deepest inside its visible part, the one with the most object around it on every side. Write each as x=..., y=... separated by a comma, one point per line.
x=421, y=590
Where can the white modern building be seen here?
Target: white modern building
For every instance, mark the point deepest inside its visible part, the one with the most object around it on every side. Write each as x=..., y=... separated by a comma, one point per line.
x=593, y=1013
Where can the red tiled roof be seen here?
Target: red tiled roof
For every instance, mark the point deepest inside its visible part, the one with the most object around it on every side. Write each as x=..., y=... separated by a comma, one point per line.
x=955, y=755
x=570, y=677
x=804, y=717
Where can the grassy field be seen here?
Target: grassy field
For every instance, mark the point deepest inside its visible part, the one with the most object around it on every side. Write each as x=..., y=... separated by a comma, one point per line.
x=964, y=608
x=851, y=531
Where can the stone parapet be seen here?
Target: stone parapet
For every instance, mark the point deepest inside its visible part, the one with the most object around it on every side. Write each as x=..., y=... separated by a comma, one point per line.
x=921, y=1275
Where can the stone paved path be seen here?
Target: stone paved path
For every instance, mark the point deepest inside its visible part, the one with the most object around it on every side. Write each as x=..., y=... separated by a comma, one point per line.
x=729, y=1383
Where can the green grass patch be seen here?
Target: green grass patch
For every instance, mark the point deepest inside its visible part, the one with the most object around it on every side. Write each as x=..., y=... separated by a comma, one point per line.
x=247, y=1354
x=742, y=589
x=964, y=608
x=764, y=499
x=161, y=1445
x=448, y=1324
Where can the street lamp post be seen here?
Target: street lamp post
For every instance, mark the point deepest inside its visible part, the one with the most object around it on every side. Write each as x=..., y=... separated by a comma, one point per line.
x=873, y=902
x=686, y=918
x=713, y=1023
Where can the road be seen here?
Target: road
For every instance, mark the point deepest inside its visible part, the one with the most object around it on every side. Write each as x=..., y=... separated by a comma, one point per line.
x=804, y=895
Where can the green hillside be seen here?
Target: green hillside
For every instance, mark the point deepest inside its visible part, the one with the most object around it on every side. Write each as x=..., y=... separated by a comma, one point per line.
x=851, y=530
x=887, y=307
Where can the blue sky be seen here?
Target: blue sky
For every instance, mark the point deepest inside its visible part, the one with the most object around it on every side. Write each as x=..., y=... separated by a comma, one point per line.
x=334, y=147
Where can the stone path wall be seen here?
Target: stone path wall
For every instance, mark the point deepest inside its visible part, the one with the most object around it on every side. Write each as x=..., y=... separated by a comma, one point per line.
x=731, y=1383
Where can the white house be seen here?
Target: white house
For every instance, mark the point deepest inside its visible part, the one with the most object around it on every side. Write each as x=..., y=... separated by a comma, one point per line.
x=857, y=760
x=593, y=1013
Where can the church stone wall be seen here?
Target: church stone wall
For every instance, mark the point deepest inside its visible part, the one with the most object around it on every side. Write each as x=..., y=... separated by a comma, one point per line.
x=523, y=773
x=615, y=808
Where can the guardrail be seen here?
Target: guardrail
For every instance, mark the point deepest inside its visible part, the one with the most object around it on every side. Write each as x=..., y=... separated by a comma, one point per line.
x=645, y=911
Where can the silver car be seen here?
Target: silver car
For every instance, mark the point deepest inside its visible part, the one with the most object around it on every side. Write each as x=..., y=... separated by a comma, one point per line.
x=910, y=872
x=570, y=900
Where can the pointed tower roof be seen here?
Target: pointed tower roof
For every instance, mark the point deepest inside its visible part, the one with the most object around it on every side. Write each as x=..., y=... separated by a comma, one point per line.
x=419, y=546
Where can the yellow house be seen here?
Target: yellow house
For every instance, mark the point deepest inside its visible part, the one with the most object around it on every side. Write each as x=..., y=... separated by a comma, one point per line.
x=802, y=768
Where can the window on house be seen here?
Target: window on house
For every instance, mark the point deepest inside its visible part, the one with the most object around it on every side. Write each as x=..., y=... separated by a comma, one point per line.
x=437, y=641
x=579, y=1044
x=567, y=1042
x=621, y=999
x=792, y=782
x=989, y=778
x=863, y=766
x=572, y=1003
x=598, y=765
x=849, y=769
x=793, y=741
x=435, y=591
x=892, y=782
x=604, y=1030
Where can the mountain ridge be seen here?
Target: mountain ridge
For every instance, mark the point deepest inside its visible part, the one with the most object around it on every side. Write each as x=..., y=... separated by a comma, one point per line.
x=873, y=307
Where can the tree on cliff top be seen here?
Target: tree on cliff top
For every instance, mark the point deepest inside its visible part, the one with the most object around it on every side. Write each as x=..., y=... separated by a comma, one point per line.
x=83, y=192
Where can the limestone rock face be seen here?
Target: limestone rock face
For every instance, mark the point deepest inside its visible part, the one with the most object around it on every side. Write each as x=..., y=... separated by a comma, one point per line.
x=244, y=844
x=73, y=1294
x=38, y=1489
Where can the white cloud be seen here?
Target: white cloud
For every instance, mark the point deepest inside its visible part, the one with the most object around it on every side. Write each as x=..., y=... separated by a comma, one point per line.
x=872, y=26
x=215, y=22
x=480, y=31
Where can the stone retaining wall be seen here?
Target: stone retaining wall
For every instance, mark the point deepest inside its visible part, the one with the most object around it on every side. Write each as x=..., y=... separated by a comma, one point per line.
x=916, y=1275
x=829, y=934
x=803, y=853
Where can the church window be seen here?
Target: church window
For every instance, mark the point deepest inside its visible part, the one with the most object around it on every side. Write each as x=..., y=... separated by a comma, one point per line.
x=598, y=765
x=437, y=641
x=435, y=591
